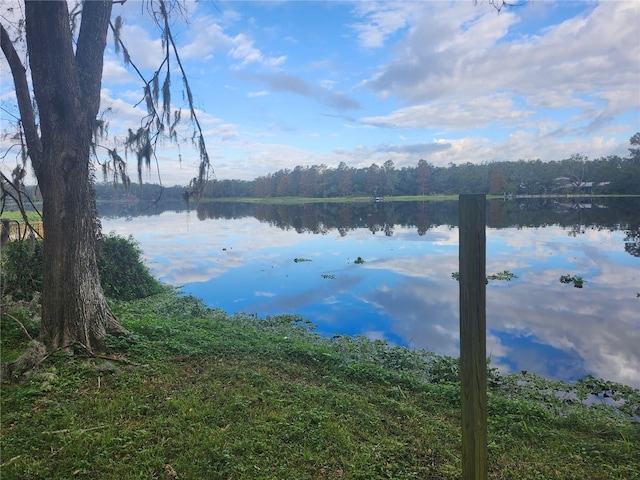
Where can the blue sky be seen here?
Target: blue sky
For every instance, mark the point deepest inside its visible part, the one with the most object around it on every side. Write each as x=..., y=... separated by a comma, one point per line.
x=287, y=83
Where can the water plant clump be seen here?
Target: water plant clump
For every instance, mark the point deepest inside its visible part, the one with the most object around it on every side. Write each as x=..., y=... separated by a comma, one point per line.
x=577, y=280
x=505, y=275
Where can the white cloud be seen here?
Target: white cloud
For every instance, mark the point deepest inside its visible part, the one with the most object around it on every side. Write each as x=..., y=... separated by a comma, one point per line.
x=261, y=93
x=114, y=72
x=381, y=20
x=243, y=49
x=477, y=112
x=145, y=49
x=448, y=54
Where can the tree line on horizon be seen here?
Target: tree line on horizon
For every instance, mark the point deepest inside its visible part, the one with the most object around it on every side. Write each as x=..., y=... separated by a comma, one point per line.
x=575, y=175
x=608, y=175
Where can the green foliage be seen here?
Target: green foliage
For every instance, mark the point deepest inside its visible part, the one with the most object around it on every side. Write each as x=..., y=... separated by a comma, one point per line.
x=123, y=273
x=14, y=340
x=610, y=175
x=21, y=269
x=505, y=275
x=577, y=280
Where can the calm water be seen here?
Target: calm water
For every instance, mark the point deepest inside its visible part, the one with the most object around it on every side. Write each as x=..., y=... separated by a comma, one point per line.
x=241, y=257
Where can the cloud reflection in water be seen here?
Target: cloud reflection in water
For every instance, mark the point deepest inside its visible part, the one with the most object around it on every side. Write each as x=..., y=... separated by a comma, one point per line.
x=404, y=292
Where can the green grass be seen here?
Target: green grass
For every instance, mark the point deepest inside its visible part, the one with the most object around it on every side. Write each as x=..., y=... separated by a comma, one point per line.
x=212, y=396
x=302, y=200
x=16, y=215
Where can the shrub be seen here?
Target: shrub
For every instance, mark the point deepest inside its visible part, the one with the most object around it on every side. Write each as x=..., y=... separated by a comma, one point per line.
x=123, y=274
x=21, y=269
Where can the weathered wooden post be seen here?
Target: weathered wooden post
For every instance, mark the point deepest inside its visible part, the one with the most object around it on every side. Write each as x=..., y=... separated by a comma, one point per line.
x=473, y=324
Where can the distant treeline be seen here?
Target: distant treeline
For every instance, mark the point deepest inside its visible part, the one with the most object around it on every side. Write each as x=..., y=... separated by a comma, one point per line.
x=576, y=175
x=611, y=175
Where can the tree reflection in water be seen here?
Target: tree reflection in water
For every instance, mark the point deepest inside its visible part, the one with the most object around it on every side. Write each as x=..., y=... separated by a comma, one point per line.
x=240, y=257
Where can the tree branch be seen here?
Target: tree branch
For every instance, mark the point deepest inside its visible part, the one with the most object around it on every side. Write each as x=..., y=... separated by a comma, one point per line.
x=27, y=114
x=17, y=198
x=198, y=183
x=22, y=327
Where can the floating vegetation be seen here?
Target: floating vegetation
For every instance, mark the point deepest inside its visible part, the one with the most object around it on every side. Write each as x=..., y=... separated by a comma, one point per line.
x=330, y=276
x=505, y=275
x=577, y=280
x=301, y=260
x=358, y=260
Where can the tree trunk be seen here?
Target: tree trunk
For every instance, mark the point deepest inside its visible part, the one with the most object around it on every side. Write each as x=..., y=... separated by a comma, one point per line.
x=67, y=92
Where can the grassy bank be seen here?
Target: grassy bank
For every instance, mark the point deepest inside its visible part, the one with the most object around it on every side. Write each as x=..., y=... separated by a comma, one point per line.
x=398, y=198
x=17, y=216
x=196, y=394
x=303, y=200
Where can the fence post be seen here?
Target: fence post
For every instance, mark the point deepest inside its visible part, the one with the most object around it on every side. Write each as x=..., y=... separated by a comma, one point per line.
x=473, y=348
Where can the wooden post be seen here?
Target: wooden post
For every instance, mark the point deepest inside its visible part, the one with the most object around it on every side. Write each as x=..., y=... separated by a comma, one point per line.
x=473, y=324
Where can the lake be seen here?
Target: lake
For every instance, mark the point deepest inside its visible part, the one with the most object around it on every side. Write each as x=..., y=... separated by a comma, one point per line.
x=384, y=270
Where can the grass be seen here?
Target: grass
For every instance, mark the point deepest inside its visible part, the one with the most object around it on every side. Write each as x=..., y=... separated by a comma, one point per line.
x=17, y=216
x=302, y=200
x=200, y=394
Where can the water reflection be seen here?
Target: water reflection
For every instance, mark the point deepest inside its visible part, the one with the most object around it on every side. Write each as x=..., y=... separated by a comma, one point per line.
x=240, y=257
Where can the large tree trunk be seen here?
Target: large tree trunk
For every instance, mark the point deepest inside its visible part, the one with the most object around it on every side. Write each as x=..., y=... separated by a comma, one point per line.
x=67, y=92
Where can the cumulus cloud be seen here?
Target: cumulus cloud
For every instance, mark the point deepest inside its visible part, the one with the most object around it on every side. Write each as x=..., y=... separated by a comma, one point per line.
x=457, y=53
x=208, y=37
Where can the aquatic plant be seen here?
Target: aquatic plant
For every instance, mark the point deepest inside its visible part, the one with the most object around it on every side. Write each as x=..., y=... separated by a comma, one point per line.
x=577, y=280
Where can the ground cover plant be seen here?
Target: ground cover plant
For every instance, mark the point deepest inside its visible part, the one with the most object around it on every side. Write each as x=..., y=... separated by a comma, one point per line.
x=194, y=393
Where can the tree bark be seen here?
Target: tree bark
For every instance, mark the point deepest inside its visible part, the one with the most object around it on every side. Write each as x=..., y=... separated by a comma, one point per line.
x=67, y=92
